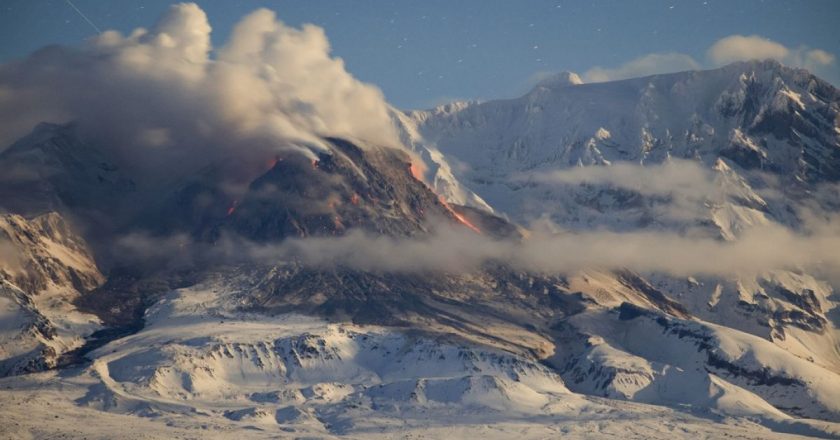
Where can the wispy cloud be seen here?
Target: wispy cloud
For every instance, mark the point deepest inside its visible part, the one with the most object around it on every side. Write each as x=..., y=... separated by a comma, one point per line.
x=649, y=64
x=742, y=48
x=724, y=51
x=676, y=176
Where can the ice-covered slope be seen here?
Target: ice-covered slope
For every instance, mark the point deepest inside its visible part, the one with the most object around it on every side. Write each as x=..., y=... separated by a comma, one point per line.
x=44, y=267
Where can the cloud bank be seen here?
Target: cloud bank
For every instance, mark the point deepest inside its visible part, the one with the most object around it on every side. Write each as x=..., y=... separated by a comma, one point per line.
x=159, y=93
x=455, y=250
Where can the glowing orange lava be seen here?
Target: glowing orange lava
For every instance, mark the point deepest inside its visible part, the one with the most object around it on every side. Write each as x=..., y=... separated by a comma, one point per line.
x=232, y=208
x=463, y=220
x=416, y=171
x=272, y=162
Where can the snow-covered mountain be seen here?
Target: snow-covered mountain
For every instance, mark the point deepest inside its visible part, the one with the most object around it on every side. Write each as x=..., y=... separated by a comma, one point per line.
x=228, y=337
x=199, y=363
x=762, y=139
x=740, y=120
x=757, y=142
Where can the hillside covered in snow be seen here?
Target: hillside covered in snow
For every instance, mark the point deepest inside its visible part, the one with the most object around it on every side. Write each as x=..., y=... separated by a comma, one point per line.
x=646, y=258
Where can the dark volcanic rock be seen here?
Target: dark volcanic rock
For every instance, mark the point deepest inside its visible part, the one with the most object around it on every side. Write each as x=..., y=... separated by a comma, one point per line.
x=371, y=189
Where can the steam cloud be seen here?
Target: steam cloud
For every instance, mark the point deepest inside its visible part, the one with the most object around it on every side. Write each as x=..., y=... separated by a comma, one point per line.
x=157, y=96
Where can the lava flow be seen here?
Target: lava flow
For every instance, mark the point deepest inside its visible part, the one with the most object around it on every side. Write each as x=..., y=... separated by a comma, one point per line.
x=416, y=172
x=232, y=208
x=461, y=219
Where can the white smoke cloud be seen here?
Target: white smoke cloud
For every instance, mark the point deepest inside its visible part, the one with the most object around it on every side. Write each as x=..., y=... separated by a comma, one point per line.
x=159, y=93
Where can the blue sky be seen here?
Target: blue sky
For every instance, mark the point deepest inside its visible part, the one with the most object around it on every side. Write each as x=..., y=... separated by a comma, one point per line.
x=425, y=52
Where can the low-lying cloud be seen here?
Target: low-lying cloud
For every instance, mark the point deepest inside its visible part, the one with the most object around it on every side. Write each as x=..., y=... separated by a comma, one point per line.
x=675, y=176
x=158, y=96
x=454, y=250
x=680, y=189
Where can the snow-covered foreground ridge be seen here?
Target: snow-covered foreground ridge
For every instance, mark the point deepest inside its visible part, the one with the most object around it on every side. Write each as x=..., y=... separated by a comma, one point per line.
x=199, y=364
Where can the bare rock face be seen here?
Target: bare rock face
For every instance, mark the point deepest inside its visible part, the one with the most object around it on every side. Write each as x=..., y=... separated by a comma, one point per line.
x=44, y=267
